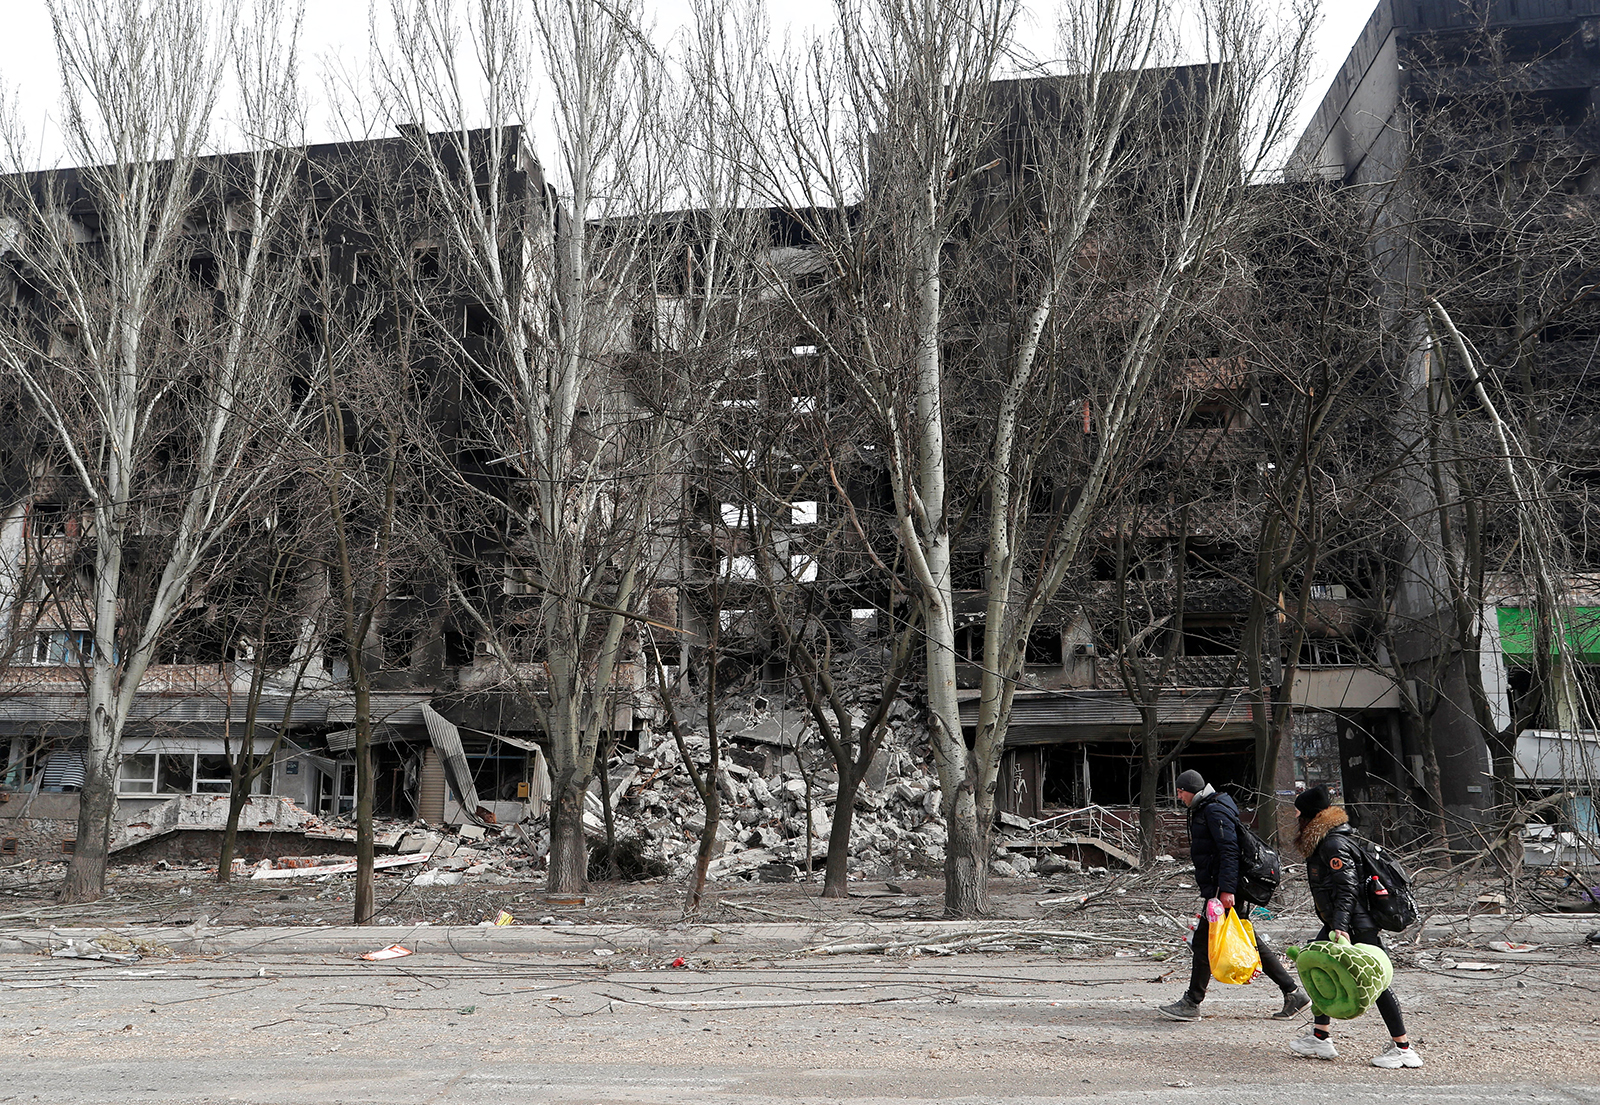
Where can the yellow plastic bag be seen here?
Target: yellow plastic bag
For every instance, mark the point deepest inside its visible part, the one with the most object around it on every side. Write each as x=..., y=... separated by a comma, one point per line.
x=1232, y=944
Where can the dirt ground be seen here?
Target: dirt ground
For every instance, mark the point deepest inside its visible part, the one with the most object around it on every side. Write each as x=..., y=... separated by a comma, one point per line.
x=1145, y=908
x=1060, y=1006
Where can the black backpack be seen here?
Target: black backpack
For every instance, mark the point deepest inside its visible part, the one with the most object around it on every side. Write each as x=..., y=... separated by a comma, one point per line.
x=1385, y=889
x=1259, y=870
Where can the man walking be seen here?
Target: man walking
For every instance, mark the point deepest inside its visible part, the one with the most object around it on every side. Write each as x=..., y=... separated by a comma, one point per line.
x=1214, y=848
x=1334, y=870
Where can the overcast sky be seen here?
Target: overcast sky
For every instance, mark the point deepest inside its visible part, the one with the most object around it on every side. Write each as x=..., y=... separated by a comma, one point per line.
x=339, y=28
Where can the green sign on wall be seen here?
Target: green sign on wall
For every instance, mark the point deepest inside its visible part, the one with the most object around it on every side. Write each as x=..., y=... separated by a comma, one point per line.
x=1582, y=637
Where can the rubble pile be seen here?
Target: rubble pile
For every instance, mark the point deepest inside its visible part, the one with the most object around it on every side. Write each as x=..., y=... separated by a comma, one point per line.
x=262, y=813
x=769, y=822
x=777, y=792
x=775, y=785
x=425, y=855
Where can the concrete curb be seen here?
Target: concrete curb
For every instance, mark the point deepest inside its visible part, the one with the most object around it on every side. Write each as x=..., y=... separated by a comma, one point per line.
x=745, y=938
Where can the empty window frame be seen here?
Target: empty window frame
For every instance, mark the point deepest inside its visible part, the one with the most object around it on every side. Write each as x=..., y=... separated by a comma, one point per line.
x=736, y=567
x=1327, y=652
x=62, y=647
x=737, y=516
x=169, y=773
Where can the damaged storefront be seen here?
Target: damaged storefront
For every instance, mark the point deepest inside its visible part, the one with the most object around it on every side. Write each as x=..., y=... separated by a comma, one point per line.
x=1070, y=750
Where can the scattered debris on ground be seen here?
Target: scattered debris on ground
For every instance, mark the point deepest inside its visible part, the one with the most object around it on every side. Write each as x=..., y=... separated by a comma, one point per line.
x=1071, y=883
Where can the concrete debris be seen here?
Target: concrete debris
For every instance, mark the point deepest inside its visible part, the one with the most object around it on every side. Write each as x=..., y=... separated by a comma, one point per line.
x=302, y=870
x=210, y=811
x=111, y=948
x=778, y=793
x=89, y=949
x=264, y=820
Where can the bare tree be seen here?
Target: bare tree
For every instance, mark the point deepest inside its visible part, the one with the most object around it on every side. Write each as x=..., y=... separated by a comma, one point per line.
x=570, y=458
x=925, y=119
x=1485, y=245
x=268, y=613
x=151, y=354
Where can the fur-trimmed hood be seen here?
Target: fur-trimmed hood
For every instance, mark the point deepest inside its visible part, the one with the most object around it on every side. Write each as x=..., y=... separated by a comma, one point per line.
x=1312, y=832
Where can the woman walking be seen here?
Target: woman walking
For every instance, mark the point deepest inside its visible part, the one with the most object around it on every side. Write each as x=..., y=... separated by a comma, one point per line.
x=1335, y=870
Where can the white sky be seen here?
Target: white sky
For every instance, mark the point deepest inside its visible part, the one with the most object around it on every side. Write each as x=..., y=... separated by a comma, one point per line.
x=338, y=28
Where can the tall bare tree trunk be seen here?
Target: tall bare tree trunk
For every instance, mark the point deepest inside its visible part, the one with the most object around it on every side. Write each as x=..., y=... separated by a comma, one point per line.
x=97, y=803
x=569, y=848
x=836, y=869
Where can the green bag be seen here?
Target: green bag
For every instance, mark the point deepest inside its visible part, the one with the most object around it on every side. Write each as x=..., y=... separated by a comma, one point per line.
x=1341, y=978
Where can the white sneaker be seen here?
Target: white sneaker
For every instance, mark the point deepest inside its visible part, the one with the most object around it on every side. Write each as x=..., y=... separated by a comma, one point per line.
x=1395, y=1057
x=1311, y=1047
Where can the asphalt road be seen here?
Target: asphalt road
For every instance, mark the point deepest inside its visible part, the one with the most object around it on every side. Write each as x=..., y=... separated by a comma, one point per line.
x=464, y=1028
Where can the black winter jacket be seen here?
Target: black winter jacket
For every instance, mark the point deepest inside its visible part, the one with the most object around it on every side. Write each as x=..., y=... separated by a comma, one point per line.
x=1214, y=844
x=1335, y=870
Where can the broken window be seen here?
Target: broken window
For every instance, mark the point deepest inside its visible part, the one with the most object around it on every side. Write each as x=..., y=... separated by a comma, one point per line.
x=177, y=773
x=138, y=775
x=736, y=567
x=212, y=775
x=63, y=647
x=399, y=642
x=425, y=261
x=1216, y=639
x=47, y=520
x=457, y=649
x=969, y=643
x=1044, y=647
x=736, y=515
x=735, y=621
x=476, y=322
x=25, y=756
x=1209, y=416
x=1326, y=652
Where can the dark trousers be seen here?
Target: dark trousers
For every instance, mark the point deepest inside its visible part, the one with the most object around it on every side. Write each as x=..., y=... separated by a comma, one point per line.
x=1388, y=1005
x=1200, y=972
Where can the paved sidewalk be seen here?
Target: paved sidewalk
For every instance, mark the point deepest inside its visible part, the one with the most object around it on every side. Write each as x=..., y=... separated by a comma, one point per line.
x=745, y=938
x=450, y=1026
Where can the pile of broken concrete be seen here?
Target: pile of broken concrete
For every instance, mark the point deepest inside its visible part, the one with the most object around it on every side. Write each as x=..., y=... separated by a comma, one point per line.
x=777, y=792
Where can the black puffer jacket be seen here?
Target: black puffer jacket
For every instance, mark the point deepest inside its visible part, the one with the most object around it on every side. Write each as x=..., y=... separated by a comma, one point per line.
x=1214, y=844
x=1334, y=870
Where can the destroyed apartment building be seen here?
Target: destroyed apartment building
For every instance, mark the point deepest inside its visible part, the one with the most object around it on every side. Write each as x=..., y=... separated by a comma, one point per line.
x=1350, y=674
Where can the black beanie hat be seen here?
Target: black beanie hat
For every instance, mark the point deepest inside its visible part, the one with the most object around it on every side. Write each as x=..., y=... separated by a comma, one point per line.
x=1313, y=801
x=1192, y=781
